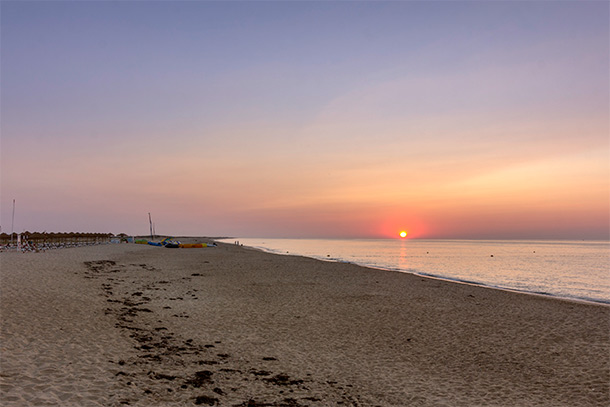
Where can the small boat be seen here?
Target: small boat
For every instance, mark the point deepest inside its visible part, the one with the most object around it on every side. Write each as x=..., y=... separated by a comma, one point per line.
x=162, y=243
x=171, y=244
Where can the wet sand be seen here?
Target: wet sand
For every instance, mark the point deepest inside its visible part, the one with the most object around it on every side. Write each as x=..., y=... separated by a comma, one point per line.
x=138, y=325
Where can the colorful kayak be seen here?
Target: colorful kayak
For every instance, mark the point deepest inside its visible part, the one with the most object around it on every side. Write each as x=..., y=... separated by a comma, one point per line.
x=193, y=245
x=196, y=245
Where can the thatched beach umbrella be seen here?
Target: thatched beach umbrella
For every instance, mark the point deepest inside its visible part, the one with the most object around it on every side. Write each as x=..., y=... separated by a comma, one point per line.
x=36, y=237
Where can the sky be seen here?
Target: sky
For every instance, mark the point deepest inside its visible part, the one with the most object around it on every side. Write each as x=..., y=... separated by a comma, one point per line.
x=476, y=120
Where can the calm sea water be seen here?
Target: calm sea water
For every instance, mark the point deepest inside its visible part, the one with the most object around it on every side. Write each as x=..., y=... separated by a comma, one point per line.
x=568, y=269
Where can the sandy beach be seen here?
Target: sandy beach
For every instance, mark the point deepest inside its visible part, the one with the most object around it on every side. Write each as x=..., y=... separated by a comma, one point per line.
x=127, y=324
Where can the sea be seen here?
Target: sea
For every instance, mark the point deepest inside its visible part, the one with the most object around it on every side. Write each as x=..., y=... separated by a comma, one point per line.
x=578, y=270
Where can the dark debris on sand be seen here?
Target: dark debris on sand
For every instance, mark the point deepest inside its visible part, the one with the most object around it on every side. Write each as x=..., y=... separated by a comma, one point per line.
x=163, y=356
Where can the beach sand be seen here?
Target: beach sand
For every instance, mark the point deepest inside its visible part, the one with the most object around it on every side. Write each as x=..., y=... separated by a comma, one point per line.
x=137, y=325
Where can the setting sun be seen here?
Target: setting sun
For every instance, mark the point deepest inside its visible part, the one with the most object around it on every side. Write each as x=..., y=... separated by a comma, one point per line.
x=403, y=234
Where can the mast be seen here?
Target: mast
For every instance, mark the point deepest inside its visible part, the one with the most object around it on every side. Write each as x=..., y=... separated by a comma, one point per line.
x=13, y=223
x=150, y=221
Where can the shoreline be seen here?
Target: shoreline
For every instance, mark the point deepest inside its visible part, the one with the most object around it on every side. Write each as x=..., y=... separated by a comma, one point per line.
x=235, y=326
x=591, y=301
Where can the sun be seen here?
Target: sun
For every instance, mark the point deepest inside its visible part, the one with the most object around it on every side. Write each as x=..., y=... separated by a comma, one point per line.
x=403, y=234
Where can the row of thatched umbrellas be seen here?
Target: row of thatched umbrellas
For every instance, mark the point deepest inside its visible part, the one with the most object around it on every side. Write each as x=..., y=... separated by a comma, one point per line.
x=61, y=237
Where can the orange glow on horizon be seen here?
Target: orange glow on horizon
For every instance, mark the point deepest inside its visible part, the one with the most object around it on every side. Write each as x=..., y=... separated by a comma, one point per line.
x=395, y=222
